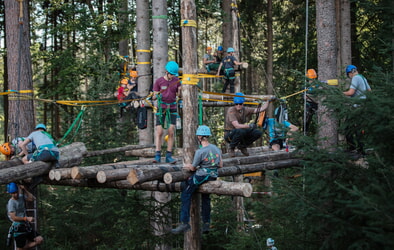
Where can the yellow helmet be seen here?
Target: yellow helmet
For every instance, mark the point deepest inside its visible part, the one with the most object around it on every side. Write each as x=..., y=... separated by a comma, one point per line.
x=133, y=73
x=5, y=148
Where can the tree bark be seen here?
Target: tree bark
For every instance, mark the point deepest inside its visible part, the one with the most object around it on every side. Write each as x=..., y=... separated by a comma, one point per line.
x=140, y=175
x=144, y=63
x=20, y=113
x=327, y=64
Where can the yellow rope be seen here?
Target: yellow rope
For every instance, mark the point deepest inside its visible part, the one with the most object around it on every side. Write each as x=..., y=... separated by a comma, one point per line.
x=189, y=23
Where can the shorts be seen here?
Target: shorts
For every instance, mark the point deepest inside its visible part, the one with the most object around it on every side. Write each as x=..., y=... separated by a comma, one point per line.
x=20, y=240
x=44, y=155
x=277, y=141
x=162, y=117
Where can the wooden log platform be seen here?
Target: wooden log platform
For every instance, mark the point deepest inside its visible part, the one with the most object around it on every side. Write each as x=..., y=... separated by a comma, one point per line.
x=211, y=187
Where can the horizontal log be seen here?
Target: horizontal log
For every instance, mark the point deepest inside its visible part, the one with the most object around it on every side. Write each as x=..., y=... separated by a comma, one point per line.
x=211, y=187
x=70, y=154
x=59, y=174
x=171, y=177
x=140, y=175
x=148, y=152
x=116, y=150
x=104, y=176
x=248, y=98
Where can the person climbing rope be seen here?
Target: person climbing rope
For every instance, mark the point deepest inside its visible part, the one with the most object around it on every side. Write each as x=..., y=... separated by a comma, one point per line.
x=228, y=63
x=46, y=147
x=25, y=236
x=166, y=89
x=207, y=160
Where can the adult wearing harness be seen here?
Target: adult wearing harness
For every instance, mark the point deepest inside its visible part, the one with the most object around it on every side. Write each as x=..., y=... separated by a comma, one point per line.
x=228, y=63
x=238, y=132
x=25, y=236
x=206, y=161
x=358, y=87
x=46, y=148
x=279, y=129
x=166, y=89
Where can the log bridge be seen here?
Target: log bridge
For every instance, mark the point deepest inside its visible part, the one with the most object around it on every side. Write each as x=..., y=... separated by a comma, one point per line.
x=142, y=174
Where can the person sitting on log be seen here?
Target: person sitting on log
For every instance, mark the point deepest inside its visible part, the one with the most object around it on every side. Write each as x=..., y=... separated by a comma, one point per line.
x=25, y=236
x=238, y=133
x=206, y=161
x=12, y=149
x=46, y=147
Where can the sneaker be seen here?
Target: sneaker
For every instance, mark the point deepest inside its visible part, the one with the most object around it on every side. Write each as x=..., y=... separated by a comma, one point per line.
x=170, y=160
x=232, y=152
x=183, y=227
x=206, y=227
x=244, y=151
x=157, y=158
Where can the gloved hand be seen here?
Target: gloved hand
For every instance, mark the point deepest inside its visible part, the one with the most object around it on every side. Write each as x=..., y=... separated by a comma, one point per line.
x=253, y=125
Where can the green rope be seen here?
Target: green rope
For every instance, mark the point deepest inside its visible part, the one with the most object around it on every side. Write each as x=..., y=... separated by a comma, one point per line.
x=200, y=110
x=79, y=117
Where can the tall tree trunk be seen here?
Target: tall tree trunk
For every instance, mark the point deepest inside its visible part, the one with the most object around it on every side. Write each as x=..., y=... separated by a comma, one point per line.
x=345, y=46
x=144, y=64
x=123, y=44
x=227, y=24
x=160, y=57
x=327, y=64
x=189, y=96
x=20, y=111
x=270, y=55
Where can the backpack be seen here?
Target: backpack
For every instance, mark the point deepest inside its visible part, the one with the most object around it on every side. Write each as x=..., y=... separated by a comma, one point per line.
x=142, y=117
x=281, y=113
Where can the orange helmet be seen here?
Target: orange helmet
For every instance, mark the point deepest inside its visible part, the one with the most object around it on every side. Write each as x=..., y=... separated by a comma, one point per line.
x=133, y=73
x=209, y=48
x=5, y=149
x=124, y=81
x=311, y=73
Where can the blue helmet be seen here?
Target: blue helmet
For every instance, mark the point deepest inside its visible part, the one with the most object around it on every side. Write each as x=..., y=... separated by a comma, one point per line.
x=12, y=188
x=238, y=99
x=41, y=126
x=203, y=130
x=220, y=48
x=229, y=50
x=350, y=68
x=172, y=68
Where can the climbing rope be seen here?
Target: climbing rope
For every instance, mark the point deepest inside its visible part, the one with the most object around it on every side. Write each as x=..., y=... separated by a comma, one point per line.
x=77, y=119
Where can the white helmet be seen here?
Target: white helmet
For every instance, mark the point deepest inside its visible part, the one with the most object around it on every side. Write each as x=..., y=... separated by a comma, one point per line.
x=270, y=242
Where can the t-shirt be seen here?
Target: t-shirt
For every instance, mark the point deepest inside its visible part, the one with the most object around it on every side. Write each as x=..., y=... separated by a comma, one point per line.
x=276, y=130
x=242, y=116
x=39, y=139
x=17, y=206
x=360, y=84
x=208, y=57
x=168, y=90
x=207, y=157
x=121, y=94
x=228, y=62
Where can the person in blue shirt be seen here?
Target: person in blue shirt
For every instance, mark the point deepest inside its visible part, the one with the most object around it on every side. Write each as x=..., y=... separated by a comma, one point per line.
x=205, y=166
x=279, y=133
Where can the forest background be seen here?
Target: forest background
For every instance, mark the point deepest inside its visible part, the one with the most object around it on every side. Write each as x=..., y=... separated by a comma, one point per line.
x=336, y=204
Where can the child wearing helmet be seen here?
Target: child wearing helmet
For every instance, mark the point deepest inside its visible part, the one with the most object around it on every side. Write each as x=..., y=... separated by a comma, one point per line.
x=207, y=160
x=12, y=149
x=228, y=63
x=166, y=90
x=25, y=237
